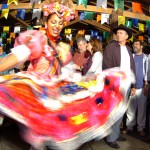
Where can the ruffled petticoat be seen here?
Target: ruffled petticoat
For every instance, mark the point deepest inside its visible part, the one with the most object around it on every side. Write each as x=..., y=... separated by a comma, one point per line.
x=64, y=114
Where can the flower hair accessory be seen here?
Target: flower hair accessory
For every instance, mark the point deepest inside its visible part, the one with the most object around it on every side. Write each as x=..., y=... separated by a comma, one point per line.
x=63, y=8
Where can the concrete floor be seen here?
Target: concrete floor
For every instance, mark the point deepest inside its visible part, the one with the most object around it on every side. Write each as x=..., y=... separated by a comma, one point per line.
x=10, y=140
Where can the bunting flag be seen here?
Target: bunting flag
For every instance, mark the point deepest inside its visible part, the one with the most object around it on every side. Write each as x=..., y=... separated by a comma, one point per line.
x=115, y=5
x=94, y=33
x=4, y=13
x=88, y=15
x=82, y=2
x=16, y=29
x=12, y=1
x=99, y=38
x=148, y=23
x=105, y=34
x=21, y=14
x=131, y=39
x=9, y=40
x=3, y=35
x=6, y=29
x=67, y=31
x=69, y=36
x=141, y=38
x=135, y=22
x=141, y=27
x=12, y=35
x=29, y=28
x=87, y=37
x=101, y=3
x=118, y=4
x=81, y=32
x=105, y=18
x=4, y=6
x=121, y=4
x=36, y=13
x=35, y=1
x=136, y=7
x=98, y=18
x=129, y=23
x=82, y=15
x=121, y=20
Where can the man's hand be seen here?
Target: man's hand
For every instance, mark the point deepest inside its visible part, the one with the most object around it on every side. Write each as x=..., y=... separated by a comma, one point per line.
x=133, y=91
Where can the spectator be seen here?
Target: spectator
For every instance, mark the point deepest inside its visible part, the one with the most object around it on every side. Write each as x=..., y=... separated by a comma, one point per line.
x=137, y=103
x=118, y=54
x=79, y=57
x=94, y=63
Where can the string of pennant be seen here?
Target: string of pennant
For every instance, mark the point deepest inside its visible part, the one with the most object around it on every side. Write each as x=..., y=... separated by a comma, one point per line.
x=102, y=18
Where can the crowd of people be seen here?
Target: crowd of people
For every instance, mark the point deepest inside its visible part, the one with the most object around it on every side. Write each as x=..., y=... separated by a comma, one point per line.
x=49, y=57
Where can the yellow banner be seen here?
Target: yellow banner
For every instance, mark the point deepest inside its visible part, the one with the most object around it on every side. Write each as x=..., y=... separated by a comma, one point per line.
x=5, y=29
x=98, y=18
x=12, y=1
x=67, y=31
x=121, y=20
x=4, y=13
x=141, y=27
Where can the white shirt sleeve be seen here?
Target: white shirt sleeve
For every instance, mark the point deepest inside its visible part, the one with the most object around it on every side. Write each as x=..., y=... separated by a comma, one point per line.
x=22, y=53
x=96, y=66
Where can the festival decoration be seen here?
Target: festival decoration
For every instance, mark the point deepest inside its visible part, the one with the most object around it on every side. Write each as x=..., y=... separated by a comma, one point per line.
x=141, y=38
x=105, y=18
x=84, y=2
x=6, y=29
x=101, y=3
x=136, y=8
x=12, y=1
x=88, y=15
x=34, y=1
x=129, y=23
x=135, y=22
x=141, y=27
x=36, y=13
x=121, y=20
x=4, y=13
x=21, y=13
x=16, y=29
x=98, y=18
x=118, y=4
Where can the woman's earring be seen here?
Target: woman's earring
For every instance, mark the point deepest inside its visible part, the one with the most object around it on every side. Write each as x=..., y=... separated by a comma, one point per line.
x=45, y=26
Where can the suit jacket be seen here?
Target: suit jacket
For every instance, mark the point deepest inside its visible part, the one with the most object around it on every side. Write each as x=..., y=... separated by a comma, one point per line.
x=112, y=56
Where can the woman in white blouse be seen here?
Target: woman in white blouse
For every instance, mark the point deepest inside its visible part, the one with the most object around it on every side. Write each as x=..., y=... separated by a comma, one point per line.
x=95, y=47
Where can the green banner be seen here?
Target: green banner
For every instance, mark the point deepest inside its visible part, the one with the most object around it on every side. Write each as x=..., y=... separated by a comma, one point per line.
x=88, y=15
x=118, y=4
x=129, y=23
x=148, y=23
x=80, y=2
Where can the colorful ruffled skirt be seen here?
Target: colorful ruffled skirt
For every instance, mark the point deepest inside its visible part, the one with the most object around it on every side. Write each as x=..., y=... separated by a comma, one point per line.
x=65, y=114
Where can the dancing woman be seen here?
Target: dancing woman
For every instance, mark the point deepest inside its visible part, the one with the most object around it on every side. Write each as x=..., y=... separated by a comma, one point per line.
x=55, y=104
